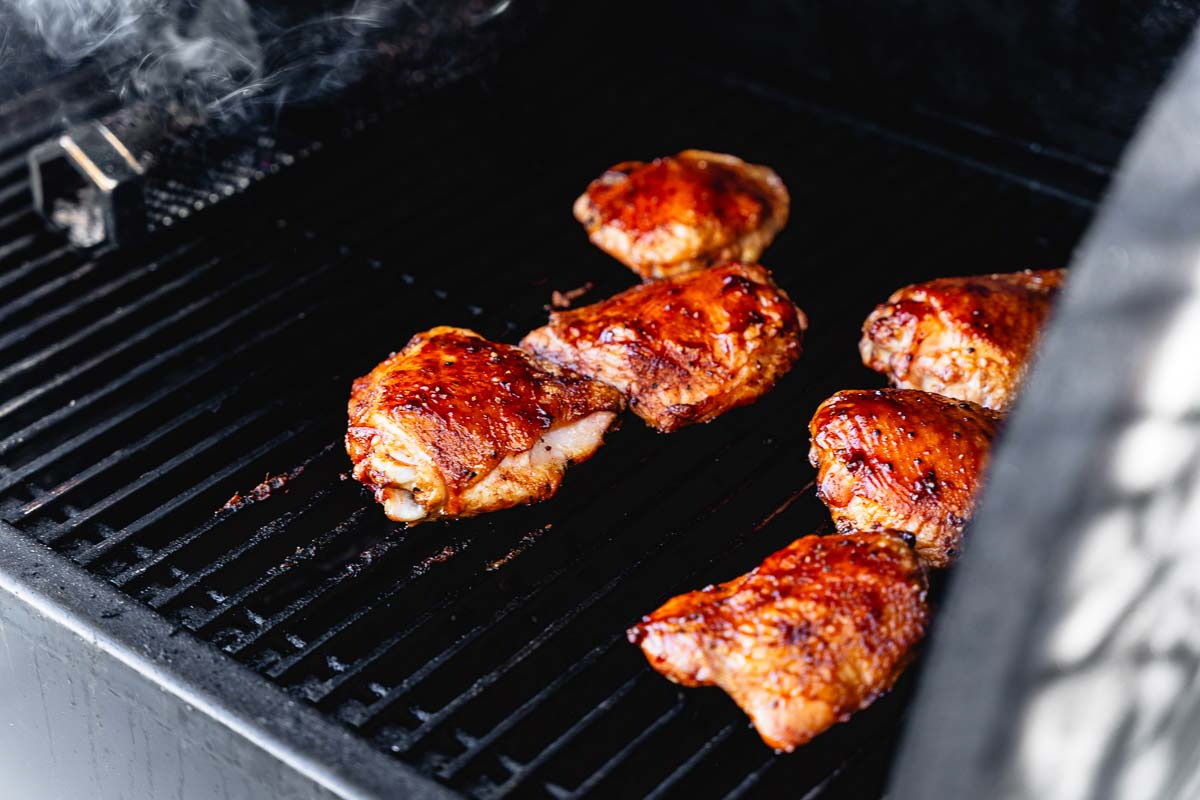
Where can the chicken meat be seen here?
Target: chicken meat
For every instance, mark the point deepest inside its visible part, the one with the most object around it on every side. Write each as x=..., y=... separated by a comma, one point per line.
x=904, y=460
x=818, y=631
x=682, y=213
x=682, y=350
x=968, y=338
x=455, y=425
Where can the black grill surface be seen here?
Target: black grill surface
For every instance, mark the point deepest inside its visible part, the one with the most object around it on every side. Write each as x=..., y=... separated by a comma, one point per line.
x=140, y=390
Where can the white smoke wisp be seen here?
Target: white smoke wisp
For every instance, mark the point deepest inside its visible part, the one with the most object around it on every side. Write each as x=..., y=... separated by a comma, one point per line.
x=219, y=57
x=189, y=52
x=75, y=29
x=199, y=60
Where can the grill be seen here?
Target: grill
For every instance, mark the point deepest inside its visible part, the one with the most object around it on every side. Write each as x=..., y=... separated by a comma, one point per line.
x=171, y=416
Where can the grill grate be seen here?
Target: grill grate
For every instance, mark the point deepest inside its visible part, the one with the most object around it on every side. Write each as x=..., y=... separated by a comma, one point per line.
x=141, y=389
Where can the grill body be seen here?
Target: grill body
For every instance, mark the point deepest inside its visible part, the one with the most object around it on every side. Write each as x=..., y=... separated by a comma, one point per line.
x=291, y=639
x=114, y=704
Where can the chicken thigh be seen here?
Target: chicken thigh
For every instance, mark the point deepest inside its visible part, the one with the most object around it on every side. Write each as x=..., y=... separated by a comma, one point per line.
x=818, y=631
x=682, y=350
x=455, y=425
x=968, y=338
x=903, y=460
x=682, y=213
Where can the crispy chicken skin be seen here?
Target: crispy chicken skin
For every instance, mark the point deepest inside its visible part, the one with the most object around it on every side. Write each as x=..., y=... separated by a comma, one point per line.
x=682, y=350
x=682, y=213
x=968, y=338
x=818, y=631
x=903, y=460
x=455, y=425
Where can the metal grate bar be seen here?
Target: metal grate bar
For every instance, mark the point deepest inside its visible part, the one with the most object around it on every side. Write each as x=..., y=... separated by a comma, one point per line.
x=312, y=551
x=272, y=529
x=150, y=364
x=281, y=670
x=79, y=518
x=89, y=331
x=99, y=293
x=127, y=532
x=14, y=192
x=17, y=244
x=26, y=215
x=562, y=679
x=145, y=334
x=751, y=780
x=820, y=788
x=701, y=753
x=14, y=169
x=178, y=544
x=214, y=480
x=274, y=623
x=33, y=265
x=702, y=717
x=634, y=745
x=91, y=432
x=44, y=288
x=548, y=753
x=124, y=453
x=433, y=720
x=128, y=452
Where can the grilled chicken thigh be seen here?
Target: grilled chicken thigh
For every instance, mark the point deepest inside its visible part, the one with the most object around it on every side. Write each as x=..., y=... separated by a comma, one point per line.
x=684, y=349
x=682, y=213
x=903, y=460
x=818, y=631
x=455, y=425
x=968, y=338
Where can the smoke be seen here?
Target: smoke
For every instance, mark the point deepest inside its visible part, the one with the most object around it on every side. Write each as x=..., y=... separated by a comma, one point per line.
x=221, y=58
x=74, y=29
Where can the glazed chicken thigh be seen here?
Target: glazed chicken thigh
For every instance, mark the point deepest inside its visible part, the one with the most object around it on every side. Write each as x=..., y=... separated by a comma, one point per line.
x=818, y=631
x=968, y=338
x=455, y=425
x=682, y=350
x=685, y=212
x=903, y=460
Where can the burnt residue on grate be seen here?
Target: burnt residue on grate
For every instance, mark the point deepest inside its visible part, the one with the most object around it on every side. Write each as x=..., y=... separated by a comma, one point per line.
x=263, y=491
x=141, y=389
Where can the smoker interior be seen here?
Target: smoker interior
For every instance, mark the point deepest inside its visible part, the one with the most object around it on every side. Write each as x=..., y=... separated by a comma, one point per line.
x=143, y=388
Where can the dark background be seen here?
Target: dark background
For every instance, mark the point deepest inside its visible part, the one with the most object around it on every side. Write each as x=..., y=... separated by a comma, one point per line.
x=1076, y=76
x=1073, y=77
